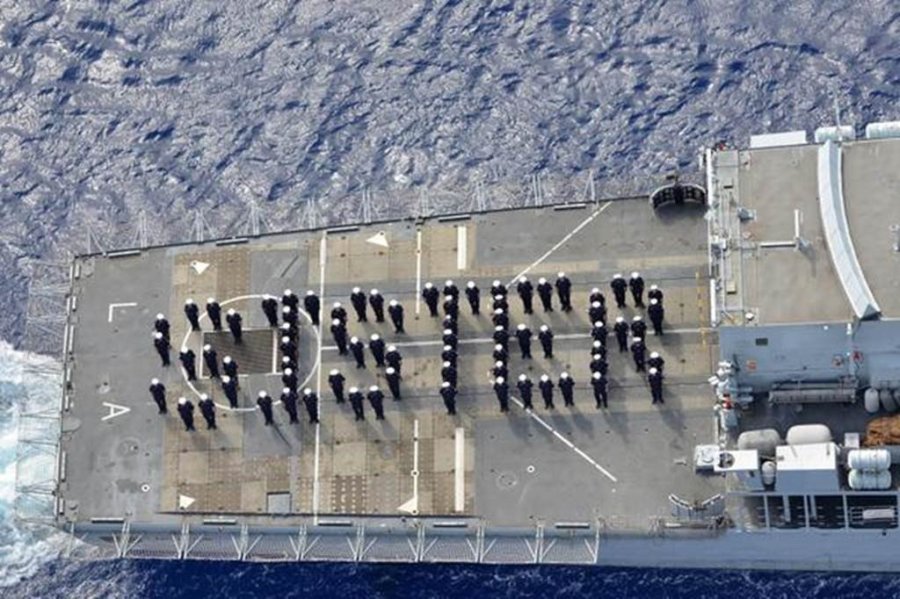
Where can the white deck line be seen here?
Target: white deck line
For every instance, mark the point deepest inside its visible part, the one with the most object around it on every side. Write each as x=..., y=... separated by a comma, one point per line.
x=418, y=270
x=274, y=352
x=562, y=241
x=323, y=248
x=459, y=471
x=462, y=250
x=112, y=308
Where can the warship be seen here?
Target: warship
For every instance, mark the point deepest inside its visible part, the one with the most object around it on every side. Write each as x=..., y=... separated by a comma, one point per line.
x=762, y=438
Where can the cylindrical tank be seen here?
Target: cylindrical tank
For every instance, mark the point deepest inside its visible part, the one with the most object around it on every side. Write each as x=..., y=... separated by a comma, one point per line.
x=764, y=440
x=870, y=460
x=870, y=399
x=807, y=434
x=768, y=473
x=863, y=481
x=886, y=398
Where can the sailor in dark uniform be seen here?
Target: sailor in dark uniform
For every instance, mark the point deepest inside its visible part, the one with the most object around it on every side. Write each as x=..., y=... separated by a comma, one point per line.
x=567, y=388
x=500, y=353
x=448, y=354
x=599, y=332
x=638, y=352
x=500, y=370
x=288, y=347
x=449, y=338
x=525, y=385
x=596, y=296
x=339, y=313
x=290, y=299
x=450, y=323
x=621, y=331
x=376, y=346
x=359, y=302
x=270, y=309
x=500, y=303
x=636, y=283
x=208, y=409
x=230, y=389
x=265, y=405
x=358, y=349
x=523, y=334
x=234, y=325
x=656, y=361
x=564, y=290
x=473, y=294
x=501, y=336
x=376, y=399
x=311, y=401
x=448, y=394
x=187, y=358
x=336, y=382
x=211, y=359
x=395, y=311
x=638, y=327
x=158, y=392
x=655, y=378
x=500, y=319
x=596, y=312
x=393, y=381
x=619, y=285
x=451, y=290
x=214, y=311
x=230, y=367
x=656, y=314
x=290, y=316
x=312, y=305
x=393, y=358
x=526, y=293
x=356, y=402
x=339, y=332
x=192, y=312
x=289, y=401
x=448, y=373
x=186, y=411
x=655, y=293
x=546, y=386
x=431, y=295
x=545, y=336
x=451, y=307
x=498, y=288
x=376, y=300
x=162, y=325
x=501, y=388
x=599, y=384
x=545, y=292
x=162, y=347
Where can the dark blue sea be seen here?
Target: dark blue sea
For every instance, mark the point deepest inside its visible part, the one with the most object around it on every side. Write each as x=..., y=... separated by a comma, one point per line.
x=117, y=108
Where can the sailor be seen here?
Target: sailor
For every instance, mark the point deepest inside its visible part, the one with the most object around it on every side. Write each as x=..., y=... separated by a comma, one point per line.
x=564, y=290
x=311, y=401
x=501, y=336
x=186, y=411
x=656, y=312
x=395, y=311
x=288, y=330
x=621, y=331
x=270, y=309
x=500, y=370
x=393, y=381
x=431, y=296
x=498, y=288
x=526, y=293
x=655, y=378
x=545, y=336
x=214, y=311
x=288, y=363
x=188, y=361
x=451, y=307
x=289, y=401
x=336, y=382
x=567, y=387
x=158, y=392
x=500, y=303
x=192, y=311
x=356, y=402
x=473, y=294
x=290, y=299
x=208, y=409
x=596, y=312
x=448, y=373
x=655, y=293
x=545, y=292
x=449, y=338
x=598, y=382
x=599, y=364
x=638, y=351
x=523, y=334
x=376, y=300
x=312, y=305
x=448, y=394
x=234, y=325
x=376, y=399
x=597, y=296
x=162, y=326
x=636, y=283
x=210, y=358
x=546, y=386
x=289, y=379
x=500, y=354
x=599, y=332
x=339, y=313
x=638, y=327
x=359, y=352
x=448, y=354
x=619, y=285
x=339, y=332
x=450, y=323
x=230, y=367
x=500, y=319
x=376, y=346
x=289, y=316
x=229, y=388
x=393, y=358
x=359, y=302
x=656, y=361
x=524, y=385
x=451, y=290
x=162, y=347
x=265, y=405
x=288, y=347
x=597, y=348
x=501, y=388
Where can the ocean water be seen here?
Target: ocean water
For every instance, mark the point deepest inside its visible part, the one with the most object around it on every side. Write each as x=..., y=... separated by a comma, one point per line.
x=113, y=108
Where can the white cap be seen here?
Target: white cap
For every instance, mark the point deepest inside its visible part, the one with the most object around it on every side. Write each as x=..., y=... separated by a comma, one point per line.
x=204, y=397
x=598, y=324
x=226, y=379
x=226, y=359
x=471, y=284
x=392, y=348
x=654, y=287
x=498, y=328
x=428, y=285
x=445, y=384
x=188, y=301
x=389, y=370
x=596, y=375
x=652, y=371
x=373, y=388
x=310, y=292
x=182, y=401
x=336, y=321
x=595, y=290
x=496, y=283
x=637, y=318
x=354, y=339
x=498, y=347
x=521, y=326
x=286, y=390
x=447, y=348
x=160, y=316
x=285, y=339
x=498, y=297
x=334, y=371
x=654, y=354
x=286, y=310
x=560, y=274
x=336, y=305
x=523, y=377
x=290, y=371
x=636, y=339
x=447, y=332
x=373, y=292
x=288, y=292
x=596, y=358
x=595, y=304
x=157, y=335
x=354, y=389
x=448, y=283
x=286, y=326
x=523, y=279
x=307, y=391
x=285, y=360
x=544, y=328
x=635, y=274
x=445, y=364
x=393, y=302
x=618, y=275
x=654, y=301
x=356, y=290
x=620, y=319
x=231, y=312
x=541, y=281
x=498, y=311
x=207, y=347
x=375, y=337
x=210, y=300
x=154, y=381
x=545, y=378
x=499, y=380
x=499, y=364
x=597, y=344
x=564, y=375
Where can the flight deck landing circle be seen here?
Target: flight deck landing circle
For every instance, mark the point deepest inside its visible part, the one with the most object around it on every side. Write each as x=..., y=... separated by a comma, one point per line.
x=238, y=298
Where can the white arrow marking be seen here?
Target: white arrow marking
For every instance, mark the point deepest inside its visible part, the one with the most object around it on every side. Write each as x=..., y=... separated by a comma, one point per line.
x=184, y=502
x=199, y=267
x=378, y=239
x=114, y=410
